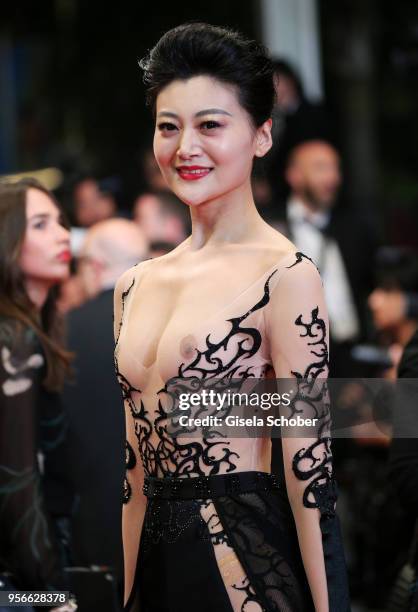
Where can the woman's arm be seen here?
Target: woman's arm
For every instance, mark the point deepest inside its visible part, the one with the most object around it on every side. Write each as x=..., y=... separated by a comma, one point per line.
x=297, y=328
x=134, y=501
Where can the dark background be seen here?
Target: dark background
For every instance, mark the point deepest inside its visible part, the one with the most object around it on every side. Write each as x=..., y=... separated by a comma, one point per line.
x=75, y=98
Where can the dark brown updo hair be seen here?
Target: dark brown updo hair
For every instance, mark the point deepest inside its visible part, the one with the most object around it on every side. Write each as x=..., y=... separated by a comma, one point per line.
x=195, y=49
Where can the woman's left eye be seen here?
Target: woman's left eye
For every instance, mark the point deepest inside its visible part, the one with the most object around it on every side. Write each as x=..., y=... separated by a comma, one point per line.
x=40, y=225
x=210, y=125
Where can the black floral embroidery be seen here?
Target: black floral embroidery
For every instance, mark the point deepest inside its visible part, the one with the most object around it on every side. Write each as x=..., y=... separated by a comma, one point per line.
x=258, y=538
x=250, y=596
x=130, y=463
x=215, y=530
x=315, y=329
x=299, y=257
x=168, y=520
x=124, y=296
x=172, y=457
x=315, y=462
x=270, y=581
x=208, y=363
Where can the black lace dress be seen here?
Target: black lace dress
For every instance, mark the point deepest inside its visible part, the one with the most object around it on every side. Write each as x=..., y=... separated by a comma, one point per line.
x=206, y=527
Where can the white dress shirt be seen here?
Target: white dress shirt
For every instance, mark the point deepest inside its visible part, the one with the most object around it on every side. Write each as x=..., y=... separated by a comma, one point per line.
x=306, y=228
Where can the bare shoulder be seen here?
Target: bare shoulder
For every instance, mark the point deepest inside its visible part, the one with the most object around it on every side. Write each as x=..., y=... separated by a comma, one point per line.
x=166, y=266
x=131, y=276
x=275, y=246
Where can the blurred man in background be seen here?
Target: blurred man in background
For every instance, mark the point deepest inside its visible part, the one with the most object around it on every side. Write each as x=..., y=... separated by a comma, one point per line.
x=163, y=218
x=340, y=242
x=295, y=120
x=93, y=400
x=92, y=202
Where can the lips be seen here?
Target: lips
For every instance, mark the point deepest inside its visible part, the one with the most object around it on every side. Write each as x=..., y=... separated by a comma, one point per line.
x=65, y=256
x=192, y=173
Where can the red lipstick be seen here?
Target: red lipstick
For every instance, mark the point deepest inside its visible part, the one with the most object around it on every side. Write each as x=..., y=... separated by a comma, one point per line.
x=65, y=256
x=193, y=173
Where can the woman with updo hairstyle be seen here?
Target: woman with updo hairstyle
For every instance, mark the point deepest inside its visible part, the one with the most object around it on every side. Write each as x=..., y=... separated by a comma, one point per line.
x=205, y=524
x=35, y=491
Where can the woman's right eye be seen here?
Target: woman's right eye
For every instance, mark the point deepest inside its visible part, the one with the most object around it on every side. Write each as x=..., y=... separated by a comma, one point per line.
x=167, y=127
x=40, y=224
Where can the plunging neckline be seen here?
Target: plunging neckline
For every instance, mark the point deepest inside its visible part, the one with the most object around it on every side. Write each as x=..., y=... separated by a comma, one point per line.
x=131, y=292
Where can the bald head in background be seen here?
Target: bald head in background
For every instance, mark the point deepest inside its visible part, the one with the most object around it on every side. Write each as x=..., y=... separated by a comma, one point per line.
x=110, y=248
x=314, y=175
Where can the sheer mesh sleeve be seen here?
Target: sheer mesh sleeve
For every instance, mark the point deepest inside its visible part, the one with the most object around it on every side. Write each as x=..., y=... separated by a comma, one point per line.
x=134, y=501
x=297, y=329
x=27, y=543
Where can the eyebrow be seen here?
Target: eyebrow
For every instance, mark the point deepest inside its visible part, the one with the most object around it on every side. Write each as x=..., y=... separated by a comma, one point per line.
x=207, y=111
x=43, y=216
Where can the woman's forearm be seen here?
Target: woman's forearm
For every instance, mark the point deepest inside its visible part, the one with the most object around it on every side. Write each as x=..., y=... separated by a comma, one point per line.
x=310, y=543
x=132, y=521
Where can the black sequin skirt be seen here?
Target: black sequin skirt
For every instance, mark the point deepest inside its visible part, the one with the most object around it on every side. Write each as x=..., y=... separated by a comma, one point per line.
x=186, y=519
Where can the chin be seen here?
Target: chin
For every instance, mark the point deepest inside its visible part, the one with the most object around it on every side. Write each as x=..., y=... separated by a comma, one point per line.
x=198, y=199
x=192, y=200
x=56, y=279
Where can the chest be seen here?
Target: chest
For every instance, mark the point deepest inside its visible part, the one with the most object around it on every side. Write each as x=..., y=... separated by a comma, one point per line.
x=197, y=330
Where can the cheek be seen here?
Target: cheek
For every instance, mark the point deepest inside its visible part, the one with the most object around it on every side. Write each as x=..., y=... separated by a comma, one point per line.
x=235, y=149
x=36, y=260
x=32, y=257
x=233, y=158
x=164, y=150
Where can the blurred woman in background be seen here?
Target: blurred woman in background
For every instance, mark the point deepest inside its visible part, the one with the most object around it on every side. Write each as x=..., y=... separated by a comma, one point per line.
x=34, y=497
x=396, y=274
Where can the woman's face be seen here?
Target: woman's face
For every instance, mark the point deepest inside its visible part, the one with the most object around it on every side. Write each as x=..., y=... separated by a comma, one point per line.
x=204, y=141
x=45, y=254
x=388, y=308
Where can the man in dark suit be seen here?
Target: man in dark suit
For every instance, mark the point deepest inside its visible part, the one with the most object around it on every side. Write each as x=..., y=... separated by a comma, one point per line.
x=93, y=399
x=295, y=119
x=342, y=243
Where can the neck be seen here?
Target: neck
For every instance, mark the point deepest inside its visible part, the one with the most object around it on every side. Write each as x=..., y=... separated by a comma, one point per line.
x=405, y=331
x=37, y=292
x=232, y=218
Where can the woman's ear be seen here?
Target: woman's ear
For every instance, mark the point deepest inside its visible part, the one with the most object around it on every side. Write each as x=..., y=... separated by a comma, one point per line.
x=263, y=139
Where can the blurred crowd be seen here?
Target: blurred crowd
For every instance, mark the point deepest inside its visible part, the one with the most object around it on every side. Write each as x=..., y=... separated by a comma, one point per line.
x=371, y=290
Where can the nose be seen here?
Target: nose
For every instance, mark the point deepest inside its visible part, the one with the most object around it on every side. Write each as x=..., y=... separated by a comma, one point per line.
x=375, y=299
x=62, y=234
x=189, y=145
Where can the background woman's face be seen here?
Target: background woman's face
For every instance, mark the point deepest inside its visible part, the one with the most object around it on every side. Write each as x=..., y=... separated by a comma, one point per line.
x=204, y=142
x=45, y=254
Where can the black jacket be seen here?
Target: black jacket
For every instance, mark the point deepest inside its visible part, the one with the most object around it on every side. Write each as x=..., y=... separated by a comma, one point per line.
x=97, y=434
x=403, y=463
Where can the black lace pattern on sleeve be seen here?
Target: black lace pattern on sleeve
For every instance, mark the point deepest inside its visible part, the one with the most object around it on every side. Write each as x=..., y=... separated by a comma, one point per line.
x=258, y=530
x=209, y=455
x=314, y=463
